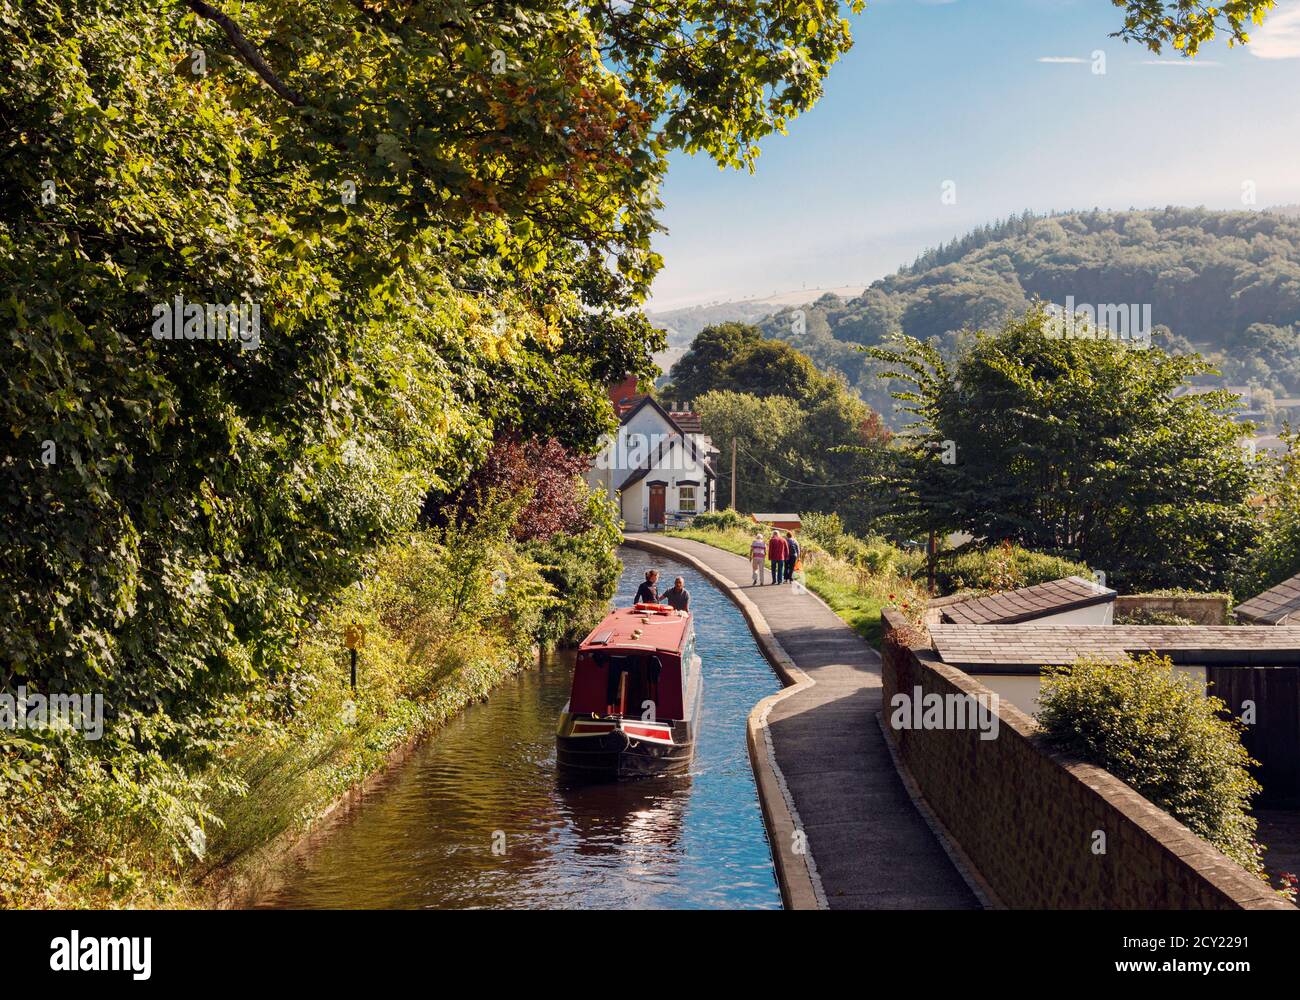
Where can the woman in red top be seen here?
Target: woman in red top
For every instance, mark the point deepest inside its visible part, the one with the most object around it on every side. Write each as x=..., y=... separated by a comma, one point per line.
x=776, y=555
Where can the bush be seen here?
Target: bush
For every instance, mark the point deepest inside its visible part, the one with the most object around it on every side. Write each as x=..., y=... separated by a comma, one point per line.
x=583, y=570
x=1150, y=616
x=723, y=520
x=1155, y=730
x=1003, y=568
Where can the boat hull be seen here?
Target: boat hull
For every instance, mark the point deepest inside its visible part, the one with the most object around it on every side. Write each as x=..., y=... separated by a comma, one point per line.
x=619, y=754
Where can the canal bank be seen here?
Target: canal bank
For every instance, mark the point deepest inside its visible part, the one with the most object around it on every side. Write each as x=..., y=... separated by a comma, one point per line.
x=475, y=816
x=845, y=832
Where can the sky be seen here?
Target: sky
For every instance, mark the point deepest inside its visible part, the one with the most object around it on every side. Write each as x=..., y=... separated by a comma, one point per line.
x=998, y=97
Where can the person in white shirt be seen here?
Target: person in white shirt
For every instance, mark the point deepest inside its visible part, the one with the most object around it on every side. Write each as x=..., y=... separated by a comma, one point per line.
x=757, y=556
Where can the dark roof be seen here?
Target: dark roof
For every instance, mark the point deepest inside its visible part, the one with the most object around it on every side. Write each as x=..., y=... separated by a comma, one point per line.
x=1028, y=603
x=1025, y=648
x=1276, y=606
x=688, y=421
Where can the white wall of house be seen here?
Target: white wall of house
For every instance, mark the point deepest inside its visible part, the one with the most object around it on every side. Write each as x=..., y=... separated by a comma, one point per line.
x=1097, y=614
x=636, y=443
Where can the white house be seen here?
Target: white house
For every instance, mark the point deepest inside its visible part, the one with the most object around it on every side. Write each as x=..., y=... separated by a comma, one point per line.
x=658, y=468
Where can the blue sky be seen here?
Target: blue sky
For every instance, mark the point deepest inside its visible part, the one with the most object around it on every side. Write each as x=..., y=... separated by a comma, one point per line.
x=958, y=91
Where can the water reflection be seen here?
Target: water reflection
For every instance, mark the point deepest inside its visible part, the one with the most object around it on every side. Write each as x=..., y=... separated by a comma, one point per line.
x=488, y=780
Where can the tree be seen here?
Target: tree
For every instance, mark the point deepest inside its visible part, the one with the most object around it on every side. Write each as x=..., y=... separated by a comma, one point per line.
x=1276, y=554
x=1186, y=24
x=1077, y=447
x=443, y=213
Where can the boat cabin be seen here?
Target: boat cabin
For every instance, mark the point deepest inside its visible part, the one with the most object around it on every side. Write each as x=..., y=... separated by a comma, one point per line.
x=632, y=662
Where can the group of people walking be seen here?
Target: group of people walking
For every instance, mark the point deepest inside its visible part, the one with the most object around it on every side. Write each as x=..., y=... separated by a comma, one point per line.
x=782, y=554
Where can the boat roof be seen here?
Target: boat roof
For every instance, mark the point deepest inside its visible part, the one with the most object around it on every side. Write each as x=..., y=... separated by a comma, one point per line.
x=660, y=632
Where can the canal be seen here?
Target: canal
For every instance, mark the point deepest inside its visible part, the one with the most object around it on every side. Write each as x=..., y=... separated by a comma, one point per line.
x=477, y=818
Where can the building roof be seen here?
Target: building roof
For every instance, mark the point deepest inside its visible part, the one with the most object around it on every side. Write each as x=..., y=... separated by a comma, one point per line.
x=783, y=518
x=1276, y=606
x=1024, y=648
x=1028, y=603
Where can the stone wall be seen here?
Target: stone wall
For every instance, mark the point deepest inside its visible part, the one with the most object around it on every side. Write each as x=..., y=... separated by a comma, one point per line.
x=1027, y=819
x=1209, y=609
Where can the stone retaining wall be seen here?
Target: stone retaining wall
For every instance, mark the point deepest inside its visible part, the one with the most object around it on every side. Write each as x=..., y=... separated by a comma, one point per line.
x=1207, y=610
x=1029, y=819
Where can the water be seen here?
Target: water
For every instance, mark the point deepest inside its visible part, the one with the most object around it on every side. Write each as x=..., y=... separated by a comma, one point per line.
x=488, y=780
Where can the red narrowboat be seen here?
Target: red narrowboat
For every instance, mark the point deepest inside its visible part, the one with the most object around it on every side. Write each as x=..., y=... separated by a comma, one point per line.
x=635, y=701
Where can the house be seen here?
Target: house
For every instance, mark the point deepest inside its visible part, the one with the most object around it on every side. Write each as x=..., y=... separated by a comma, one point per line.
x=1279, y=605
x=1068, y=601
x=658, y=468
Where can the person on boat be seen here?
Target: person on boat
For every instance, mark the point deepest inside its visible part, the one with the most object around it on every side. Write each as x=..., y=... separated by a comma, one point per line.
x=776, y=555
x=791, y=555
x=648, y=592
x=757, y=556
x=677, y=595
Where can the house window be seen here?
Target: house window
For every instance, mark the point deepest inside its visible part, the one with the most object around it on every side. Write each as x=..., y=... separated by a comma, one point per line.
x=686, y=499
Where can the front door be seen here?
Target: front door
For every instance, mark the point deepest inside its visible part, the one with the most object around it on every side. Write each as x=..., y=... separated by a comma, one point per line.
x=656, y=506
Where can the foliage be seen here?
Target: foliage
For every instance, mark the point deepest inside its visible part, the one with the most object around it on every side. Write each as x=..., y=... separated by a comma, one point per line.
x=1186, y=25
x=1224, y=283
x=803, y=439
x=543, y=470
x=203, y=500
x=1276, y=555
x=1157, y=731
x=583, y=570
x=1152, y=616
x=1073, y=446
x=722, y=520
x=447, y=614
x=1003, y=567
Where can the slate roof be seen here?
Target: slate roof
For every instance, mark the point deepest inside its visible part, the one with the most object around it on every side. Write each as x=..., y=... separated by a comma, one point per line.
x=1028, y=603
x=1025, y=648
x=1277, y=606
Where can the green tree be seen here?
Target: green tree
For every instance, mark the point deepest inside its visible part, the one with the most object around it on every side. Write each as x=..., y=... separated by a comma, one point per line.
x=1186, y=24
x=1077, y=447
x=443, y=212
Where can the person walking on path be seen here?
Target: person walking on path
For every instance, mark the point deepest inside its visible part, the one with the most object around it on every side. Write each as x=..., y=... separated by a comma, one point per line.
x=791, y=554
x=677, y=596
x=648, y=592
x=776, y=555
x=757, y=556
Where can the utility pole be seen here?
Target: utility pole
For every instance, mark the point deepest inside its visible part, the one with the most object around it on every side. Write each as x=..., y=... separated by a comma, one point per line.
x=733, y=473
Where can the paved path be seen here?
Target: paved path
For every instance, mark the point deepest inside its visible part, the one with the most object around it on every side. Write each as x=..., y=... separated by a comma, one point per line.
x=872, y=848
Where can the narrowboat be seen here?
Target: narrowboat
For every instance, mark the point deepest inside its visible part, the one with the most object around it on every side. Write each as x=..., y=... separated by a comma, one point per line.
x=634, y=705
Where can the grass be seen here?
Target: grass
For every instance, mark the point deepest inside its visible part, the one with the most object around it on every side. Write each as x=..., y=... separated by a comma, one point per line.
x=857, y=595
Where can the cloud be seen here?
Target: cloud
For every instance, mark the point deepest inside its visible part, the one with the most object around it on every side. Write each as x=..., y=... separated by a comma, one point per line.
x=1278, y=37
x=1060, y=59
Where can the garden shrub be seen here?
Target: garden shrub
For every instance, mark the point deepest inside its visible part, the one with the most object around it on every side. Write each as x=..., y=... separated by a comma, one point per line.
x=1157, y=731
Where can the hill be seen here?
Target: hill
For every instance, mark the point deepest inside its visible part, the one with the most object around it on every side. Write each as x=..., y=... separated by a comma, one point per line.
x=1224, y=283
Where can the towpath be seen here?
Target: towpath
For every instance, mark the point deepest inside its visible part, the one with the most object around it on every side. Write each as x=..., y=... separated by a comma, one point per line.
x=869, y=845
